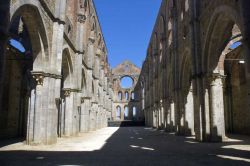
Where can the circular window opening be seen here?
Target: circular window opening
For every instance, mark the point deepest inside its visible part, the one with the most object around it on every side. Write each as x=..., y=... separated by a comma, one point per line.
x=126, y=82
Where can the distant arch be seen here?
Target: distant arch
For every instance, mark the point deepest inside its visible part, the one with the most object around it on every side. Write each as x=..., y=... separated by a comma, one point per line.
x=127, y=81
x=126, y=112
x=120, y=95
x=118, y=113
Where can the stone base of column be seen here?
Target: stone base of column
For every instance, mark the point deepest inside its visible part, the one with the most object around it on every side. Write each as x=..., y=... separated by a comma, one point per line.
x=215, y=137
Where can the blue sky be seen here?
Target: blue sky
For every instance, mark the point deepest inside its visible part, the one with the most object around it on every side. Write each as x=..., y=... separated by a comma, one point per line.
x=127, y=26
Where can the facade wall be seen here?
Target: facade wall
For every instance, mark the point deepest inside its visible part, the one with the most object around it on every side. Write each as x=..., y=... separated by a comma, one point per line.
x=195, y=77
x=122, y=103
x=60, y=85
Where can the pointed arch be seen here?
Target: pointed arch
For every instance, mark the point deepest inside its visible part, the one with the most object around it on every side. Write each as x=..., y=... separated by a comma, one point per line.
x=67, y=69
x=220, y=30
x=35, y=26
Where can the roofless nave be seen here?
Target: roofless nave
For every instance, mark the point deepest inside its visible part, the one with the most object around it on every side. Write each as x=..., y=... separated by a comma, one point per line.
x=194, y=81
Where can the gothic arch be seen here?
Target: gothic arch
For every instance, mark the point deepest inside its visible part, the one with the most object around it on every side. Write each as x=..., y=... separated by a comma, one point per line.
x=93, y=27
x=162, y=39
x=27, y=27
x=67, y=69
x=36, y=30
x=83, y=81
x=118, y=112
x=155, y=44
x=186, y=71
x=218, y=35
x=223, y=101
x=99, y=41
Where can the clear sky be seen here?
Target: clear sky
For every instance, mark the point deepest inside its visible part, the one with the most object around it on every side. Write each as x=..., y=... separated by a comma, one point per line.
x=127, y=26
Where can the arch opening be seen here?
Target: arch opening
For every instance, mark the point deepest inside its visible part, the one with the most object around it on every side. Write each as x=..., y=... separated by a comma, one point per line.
x=227, y=76
x=127, y=95
x=126, y=82
x=120, y=95
x=135, y=113
x=26, y=51
x=126, y=113
x=118, y=113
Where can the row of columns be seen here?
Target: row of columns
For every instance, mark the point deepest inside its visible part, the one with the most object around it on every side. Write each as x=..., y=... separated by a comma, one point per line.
x=198, y=110
x=57, y=110
x=187, y=118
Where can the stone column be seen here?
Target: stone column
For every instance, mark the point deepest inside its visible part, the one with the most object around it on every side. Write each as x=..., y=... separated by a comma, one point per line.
x=93, y=116
x=155, y=108
x=85, y=117
x=167, y=115
x=198, y=110
x=52, y=107
x=98, y=120
x=146, y=116
x=159, y=115
x=75, y=111
x=130, y=113
x=172, y=116
x=91, y=51
x=61, y=118
x=206, y=122
x=217, y=108
x=151, y=116
x=189, y=114
x=68, y=125
x=31, y=118
x=89, y=78
x=34, y=132
x=155, y=116
x=81, y=26
x=102, y=119
x=179, y=112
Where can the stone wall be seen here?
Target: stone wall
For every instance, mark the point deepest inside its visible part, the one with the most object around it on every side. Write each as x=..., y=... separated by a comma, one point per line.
x=195, y=78
x=126, y=98
x=62, y=81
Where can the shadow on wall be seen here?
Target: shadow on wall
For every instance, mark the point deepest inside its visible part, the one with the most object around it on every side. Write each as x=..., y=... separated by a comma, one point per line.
x=150, y=146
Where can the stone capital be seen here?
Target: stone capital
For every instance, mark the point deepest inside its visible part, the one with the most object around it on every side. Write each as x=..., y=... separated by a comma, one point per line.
x=81, y=18
x=216, y=79
x=67, y=92
x=38, y=77
x=98, y=52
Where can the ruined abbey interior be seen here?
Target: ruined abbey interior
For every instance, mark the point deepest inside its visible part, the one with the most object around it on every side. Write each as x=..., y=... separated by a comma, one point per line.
x=60, y=84
x=194, y=81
